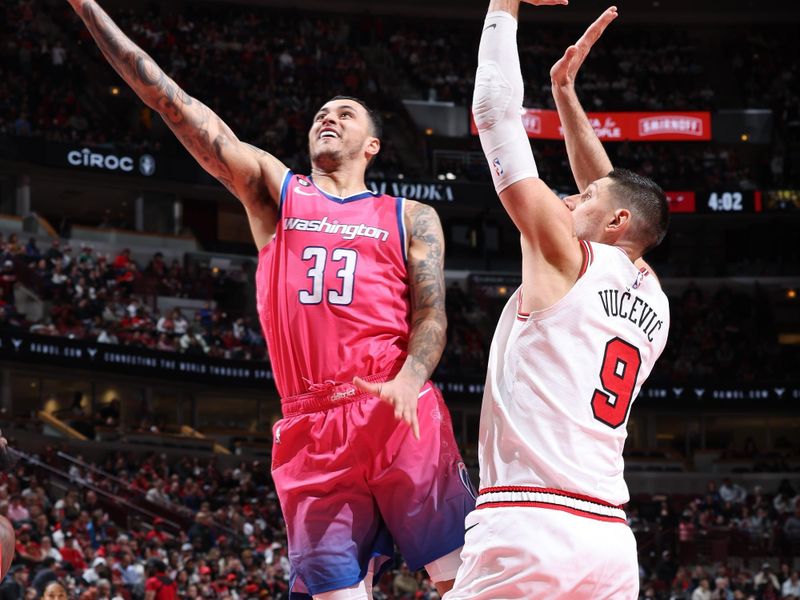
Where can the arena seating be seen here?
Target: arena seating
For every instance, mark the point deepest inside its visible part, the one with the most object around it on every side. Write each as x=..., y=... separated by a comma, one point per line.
x=632, y=70
x=219, y=529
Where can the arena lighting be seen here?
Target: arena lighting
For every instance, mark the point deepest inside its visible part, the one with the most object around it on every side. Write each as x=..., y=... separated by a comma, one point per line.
x=745, y=137
x=502, y=290
x=450, y=176
x=115, y=91
x=791, y=294
x=429, y=131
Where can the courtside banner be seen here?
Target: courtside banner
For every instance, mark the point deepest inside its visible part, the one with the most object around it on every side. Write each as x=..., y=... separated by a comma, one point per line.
x=624, y=126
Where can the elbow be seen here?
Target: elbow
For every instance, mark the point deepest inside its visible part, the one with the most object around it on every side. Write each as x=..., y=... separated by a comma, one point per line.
x=494, y=97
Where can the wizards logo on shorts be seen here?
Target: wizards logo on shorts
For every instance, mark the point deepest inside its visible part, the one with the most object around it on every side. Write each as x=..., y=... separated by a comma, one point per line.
x=463, y=474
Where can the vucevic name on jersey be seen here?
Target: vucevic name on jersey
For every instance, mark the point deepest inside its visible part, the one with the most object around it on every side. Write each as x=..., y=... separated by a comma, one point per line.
x=332, y=286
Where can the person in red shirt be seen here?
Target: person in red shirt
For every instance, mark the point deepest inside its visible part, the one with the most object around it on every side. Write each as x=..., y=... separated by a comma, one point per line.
x=72, y=553
x=122, y=259
x=159, y=586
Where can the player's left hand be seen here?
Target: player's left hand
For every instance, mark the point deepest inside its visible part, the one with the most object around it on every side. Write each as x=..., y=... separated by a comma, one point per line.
x=400, y=393
x=566, y=69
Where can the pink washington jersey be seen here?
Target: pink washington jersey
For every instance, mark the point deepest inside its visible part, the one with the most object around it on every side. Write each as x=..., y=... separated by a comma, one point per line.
x=332, y=287
x=560, y=385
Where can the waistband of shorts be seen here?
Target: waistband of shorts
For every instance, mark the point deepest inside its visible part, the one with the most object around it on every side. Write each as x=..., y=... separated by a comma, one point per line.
x=576, y=504
x=333, y=394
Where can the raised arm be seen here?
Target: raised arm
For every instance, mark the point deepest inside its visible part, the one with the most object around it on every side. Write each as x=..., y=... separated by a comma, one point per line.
x=551, y=253
x=428, y=318
x=252, y=175
x=587, y=158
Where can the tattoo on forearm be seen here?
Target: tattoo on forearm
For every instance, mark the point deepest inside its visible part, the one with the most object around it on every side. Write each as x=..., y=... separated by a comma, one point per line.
x=202, y=132
x=429, y=321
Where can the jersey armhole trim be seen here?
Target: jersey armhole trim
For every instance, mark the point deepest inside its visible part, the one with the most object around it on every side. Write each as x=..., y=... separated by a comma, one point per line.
x=588, y=256
x=401, y=225
x=284, y=187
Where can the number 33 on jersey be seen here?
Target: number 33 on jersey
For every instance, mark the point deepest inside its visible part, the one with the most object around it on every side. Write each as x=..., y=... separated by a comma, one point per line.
x=333, y=286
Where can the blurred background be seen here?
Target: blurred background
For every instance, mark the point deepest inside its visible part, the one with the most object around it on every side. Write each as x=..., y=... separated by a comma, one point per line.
x=134, y=380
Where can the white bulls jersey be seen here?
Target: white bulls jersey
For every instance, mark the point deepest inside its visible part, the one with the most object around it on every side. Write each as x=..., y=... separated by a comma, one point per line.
x=561, y=382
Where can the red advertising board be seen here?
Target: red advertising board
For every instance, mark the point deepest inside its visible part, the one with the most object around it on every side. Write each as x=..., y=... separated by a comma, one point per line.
x=681, y=202
x=621, y=126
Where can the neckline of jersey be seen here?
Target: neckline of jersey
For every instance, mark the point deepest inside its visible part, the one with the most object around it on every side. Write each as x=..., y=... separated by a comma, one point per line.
x=340, y=199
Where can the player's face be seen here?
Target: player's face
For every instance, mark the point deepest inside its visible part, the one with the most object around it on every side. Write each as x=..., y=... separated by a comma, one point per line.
x=592, y=211
x=341, y=132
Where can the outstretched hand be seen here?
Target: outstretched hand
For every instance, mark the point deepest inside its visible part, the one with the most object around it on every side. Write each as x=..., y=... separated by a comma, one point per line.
x=564, y=71
x=398, y=392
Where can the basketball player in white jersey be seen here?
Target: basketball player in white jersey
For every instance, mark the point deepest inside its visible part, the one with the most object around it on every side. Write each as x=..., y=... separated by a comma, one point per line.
x=570, y=353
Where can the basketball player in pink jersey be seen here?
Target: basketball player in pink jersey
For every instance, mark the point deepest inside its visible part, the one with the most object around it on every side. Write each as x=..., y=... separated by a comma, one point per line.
x=572, y=348
x=351, y=299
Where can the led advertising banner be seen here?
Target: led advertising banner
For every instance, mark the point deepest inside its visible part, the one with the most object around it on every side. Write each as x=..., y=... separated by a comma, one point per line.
x=672, y=126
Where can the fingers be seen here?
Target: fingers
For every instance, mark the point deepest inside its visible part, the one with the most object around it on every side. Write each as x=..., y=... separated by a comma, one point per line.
x=597, y=28
x=366, y=386
x=561, y=71
x=415, y=424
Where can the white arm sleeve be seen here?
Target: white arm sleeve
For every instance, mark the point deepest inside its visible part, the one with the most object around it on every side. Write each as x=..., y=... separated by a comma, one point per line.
x=497, y=103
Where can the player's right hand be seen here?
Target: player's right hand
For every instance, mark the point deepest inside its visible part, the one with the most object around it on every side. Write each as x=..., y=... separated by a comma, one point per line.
x=400, y=393
x=564, y=71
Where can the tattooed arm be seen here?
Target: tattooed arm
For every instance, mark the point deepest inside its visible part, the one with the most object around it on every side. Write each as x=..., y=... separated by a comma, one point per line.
x=428, y=318
x=426, y=278
x=252, y=175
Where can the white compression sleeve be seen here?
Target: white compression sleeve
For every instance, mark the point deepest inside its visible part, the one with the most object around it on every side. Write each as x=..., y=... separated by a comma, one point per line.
x=497, y=103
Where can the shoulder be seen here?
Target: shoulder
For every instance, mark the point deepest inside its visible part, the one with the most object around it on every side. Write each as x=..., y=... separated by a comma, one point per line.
x=420, y=219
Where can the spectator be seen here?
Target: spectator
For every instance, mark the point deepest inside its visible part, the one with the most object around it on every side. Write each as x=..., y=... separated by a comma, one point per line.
x=702, y=591
x=159, y=586
x=45, y=575
x=766, y=583
x=791, y=587
x=732, y=492
x=55, y=591
x=13, y=588
x=791, y=527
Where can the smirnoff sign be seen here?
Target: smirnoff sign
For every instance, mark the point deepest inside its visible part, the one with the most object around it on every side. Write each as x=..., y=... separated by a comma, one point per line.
x=621, y=126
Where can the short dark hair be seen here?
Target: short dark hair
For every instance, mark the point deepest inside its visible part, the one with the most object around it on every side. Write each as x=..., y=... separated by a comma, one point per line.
x=374, y=118
x=647, y=202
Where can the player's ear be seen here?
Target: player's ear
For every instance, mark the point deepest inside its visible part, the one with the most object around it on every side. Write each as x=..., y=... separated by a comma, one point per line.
x=620, y=220
x=373, y=147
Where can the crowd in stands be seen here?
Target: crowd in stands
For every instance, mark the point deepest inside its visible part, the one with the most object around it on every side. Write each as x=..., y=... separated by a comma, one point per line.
x=267, y=88
x=733, y=529
x=100, y=298
x=650, y=69
x=233, y=545
x=726, y=333
x=721, y=335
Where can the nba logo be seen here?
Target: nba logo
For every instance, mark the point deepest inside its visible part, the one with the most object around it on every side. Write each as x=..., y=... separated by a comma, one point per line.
x=639, y=278
x=498, y=168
